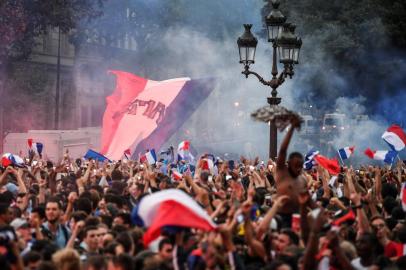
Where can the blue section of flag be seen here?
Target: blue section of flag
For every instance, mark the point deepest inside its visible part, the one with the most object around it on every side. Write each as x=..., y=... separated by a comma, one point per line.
x=309, y=160
x=390, y=157
x=193, y=93
x=342, y=153
x=96, y=156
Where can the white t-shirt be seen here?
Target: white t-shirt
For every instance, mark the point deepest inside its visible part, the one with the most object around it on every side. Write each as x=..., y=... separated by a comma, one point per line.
x=357, y=264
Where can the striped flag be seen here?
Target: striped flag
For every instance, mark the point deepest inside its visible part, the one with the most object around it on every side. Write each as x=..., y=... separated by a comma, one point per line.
x=395, y=137
x=143, y=114
x=149, y=157
x=386, y=156
x=403, y=196
x=309, y=162
x=169, y=207
x=346, y=152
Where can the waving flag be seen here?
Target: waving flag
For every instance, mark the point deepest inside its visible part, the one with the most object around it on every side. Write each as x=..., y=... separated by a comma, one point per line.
x=184, y=152
x=346, y=152
x=170, y=207
x=36, y=147
x=149, y=157
x=309, y=162
x=10, y=159
x=177, y=176
x=91, y=154
x=387, y=156
x=395, y=137
x=143, y=113
x=331, y=165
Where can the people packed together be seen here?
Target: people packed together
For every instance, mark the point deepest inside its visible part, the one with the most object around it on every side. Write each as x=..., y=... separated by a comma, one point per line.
x=83, y=214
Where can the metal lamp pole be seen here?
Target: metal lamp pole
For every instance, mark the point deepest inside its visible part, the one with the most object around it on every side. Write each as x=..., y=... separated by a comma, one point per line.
x=283, y=39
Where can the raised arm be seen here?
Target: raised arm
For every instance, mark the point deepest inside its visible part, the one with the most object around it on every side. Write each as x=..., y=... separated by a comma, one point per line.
x=283, y=150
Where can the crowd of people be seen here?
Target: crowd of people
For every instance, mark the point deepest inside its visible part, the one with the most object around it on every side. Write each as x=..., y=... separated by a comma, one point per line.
x=77, y=214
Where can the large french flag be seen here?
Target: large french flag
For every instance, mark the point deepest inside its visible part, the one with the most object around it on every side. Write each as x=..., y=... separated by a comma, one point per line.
x=387, y=156
x=395, y=137
x=142, y=114
x=170, y=207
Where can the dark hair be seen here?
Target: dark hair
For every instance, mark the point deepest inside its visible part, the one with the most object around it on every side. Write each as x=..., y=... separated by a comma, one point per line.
x=295, y=155
x=389, y=190
x=31, y=256
x=125, y=239
x=126, y=217
x=40, y=211
x=97, y=262
x=125, y=261
x=92, y=221
x=78, y=216
x=116, y=175
x=164, y=241
x=84, y=204
x=88, y=229
x=294, y=238
x=54, y=200
x=4, y=208
x=389, y=203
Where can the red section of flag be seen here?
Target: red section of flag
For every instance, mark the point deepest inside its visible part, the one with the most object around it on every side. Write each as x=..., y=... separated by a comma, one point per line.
x=347, y=217
x=128, y=87
x=5, y=162
x=369, y=153
x=352, y=148
x=172, y=213
x=398, y=131
x=30, y=143
x=331, y=165
x=127, y=152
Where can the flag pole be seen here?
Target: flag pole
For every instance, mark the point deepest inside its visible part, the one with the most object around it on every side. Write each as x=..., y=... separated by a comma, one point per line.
x=342, y=162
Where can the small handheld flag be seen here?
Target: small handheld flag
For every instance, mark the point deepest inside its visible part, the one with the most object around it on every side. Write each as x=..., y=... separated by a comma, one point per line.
x=346, y=152
x=149, y=157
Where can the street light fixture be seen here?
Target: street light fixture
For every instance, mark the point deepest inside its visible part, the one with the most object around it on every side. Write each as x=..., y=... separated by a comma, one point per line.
x=283, y=39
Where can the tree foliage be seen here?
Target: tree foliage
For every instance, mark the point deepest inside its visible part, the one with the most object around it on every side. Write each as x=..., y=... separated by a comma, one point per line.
x=23, y=20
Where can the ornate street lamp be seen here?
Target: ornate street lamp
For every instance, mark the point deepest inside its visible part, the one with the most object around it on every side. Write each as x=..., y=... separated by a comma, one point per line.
x=286, y=43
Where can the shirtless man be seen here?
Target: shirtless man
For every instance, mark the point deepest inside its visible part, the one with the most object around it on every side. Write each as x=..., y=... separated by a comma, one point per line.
x=289, y=179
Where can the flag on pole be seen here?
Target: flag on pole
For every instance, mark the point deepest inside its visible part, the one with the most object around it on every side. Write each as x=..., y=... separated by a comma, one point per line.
x=170, y=207
x=127, y=153
x=149, y=157
x=386, y=156
x=346, y=152
x=331, y=165
x=143, y=113
x=395, y=137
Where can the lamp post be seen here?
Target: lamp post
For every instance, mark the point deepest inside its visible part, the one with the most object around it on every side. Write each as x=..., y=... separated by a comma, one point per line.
x=285, y=45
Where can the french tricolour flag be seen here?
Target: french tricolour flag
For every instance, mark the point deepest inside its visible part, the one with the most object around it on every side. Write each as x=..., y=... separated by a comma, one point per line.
x=144, y=114
x=387, y=156
x=395, y=137
x=37, y=147
x=346, y=152
x=309, y=160
x=170, y=207
x=184, y=151
x=149, y=157
x=177, y=176
x=9, y=159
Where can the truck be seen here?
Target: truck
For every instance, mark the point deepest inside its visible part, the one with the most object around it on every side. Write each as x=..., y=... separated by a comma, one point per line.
x=333, y=122
x=55, y=142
